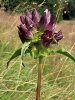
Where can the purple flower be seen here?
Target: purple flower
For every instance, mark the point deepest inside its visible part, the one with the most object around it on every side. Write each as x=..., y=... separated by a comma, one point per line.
x=24, y=33
x=27, y=28
x=50, y=38
x=43, y=26
x=47, y=38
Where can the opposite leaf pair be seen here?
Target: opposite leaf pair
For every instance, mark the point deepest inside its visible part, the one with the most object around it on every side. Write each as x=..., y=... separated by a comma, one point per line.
x=38, y=34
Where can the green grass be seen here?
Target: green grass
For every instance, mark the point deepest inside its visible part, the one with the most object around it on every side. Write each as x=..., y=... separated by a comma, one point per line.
x=19, y=83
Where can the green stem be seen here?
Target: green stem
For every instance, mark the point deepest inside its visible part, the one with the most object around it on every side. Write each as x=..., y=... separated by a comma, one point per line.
x=40, y=68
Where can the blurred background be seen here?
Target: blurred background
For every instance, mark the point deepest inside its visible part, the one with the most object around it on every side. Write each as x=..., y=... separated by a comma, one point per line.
x=58, y=79
x=61, y=8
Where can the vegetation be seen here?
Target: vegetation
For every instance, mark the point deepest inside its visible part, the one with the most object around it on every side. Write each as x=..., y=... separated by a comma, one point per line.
x=55, y=6
x=72, y=3
x=21, y=5
x=18, y=82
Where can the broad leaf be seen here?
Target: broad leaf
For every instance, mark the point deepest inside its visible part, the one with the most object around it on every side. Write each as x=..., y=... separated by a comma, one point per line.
x=17, y=53
x=64, y=52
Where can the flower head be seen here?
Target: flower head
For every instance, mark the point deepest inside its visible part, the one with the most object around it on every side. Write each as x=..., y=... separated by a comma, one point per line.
x=43, y=26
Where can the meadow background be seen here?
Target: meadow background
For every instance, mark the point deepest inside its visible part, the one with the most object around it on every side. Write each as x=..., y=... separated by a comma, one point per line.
x=18, y=82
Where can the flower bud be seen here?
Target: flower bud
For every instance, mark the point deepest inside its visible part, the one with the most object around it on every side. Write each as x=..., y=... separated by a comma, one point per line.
x=28, y=14
x=27, y=34
x=45, y=19
x=35, y=16
x=21, y=36
x=22, y=19
x=29, y=22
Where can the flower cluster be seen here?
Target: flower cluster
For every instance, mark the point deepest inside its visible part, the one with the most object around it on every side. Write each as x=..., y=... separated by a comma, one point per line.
x=32, y=22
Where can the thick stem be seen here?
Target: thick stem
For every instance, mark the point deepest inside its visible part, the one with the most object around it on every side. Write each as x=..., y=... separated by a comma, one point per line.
x=39, y=79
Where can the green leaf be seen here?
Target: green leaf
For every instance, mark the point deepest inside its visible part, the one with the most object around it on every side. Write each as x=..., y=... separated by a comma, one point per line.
x=62, y=51
x=66, y=53
x=17, y=53
x=24, y=48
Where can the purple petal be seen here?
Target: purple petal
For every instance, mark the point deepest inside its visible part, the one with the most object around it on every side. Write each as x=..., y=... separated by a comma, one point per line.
x=53, y=20
x=35, y=16
x=28, y=14
x=51, y=28
x=58, y=36
x=22, y=19
x=48, y=15
x=47, y=38
x=45, y=19
x=22, y=28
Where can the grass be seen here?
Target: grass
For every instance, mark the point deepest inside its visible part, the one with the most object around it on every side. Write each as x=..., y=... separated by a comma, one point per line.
x=18, y=82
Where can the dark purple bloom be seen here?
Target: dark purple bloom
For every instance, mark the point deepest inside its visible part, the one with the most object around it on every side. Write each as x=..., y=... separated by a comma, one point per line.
x=49, y=38
x=31, y=22
x=25, y=32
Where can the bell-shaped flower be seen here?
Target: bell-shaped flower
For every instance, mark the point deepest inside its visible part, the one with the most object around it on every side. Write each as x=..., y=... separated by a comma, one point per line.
x=49, y=38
